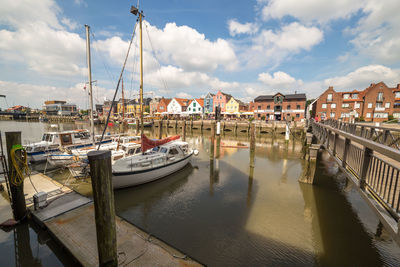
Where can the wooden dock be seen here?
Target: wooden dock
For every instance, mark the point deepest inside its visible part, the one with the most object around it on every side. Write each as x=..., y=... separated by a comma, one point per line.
x=69, y=217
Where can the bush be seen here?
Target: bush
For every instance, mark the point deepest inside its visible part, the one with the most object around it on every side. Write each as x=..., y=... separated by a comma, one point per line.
x=251, y=119
x=263, y=117
x=361, y=118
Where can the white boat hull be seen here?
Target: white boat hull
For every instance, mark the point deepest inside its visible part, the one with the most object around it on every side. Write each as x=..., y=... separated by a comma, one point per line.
x=126, y=179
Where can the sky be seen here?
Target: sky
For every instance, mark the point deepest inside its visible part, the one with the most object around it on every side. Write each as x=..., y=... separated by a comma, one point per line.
x=191, y=47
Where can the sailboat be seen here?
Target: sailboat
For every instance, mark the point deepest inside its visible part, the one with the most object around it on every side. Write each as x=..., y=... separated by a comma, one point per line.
x=159, y=158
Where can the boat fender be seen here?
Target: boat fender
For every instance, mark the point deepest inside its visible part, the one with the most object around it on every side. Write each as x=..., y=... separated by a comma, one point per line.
x=195, y=152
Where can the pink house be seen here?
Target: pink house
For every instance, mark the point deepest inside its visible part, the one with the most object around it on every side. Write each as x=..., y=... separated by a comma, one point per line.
x=220, y=99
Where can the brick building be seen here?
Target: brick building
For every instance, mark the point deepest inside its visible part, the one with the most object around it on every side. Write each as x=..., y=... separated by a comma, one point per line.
x=279, y=107
x=163, y=104
x=375, y=103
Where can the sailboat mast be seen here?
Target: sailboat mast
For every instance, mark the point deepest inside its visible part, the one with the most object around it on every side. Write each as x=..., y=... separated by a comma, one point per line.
x=123, y=102
x=90, y=81
x=141, y=74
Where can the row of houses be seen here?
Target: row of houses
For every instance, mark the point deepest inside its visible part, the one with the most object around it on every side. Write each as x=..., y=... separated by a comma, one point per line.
x=376, y=103
x=265, y=107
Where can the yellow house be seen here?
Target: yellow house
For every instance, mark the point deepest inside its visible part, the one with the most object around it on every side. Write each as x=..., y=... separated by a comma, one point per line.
x=232, y=106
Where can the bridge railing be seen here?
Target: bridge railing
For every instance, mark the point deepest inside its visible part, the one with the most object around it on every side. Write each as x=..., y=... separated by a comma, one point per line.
x=375, y=167
x=382, y=135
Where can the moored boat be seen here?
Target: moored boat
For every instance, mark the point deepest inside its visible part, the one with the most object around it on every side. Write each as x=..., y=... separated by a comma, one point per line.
x=154, y=164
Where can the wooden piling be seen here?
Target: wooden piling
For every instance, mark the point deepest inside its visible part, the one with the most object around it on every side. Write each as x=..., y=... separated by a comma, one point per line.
x=103, y=196
x=17, y=190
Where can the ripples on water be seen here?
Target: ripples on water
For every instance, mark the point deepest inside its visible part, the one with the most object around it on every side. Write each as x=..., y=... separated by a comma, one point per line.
x=225, y=213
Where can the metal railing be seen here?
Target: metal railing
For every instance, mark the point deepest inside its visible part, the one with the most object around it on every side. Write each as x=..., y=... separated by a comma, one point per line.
x=373, y=165
x=382, y=135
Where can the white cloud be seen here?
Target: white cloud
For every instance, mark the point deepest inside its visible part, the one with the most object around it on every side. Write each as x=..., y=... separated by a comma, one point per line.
x=363, y=77
x=45, y=50
x=377, y=33
x=184, y=95
x=34, y=95
x=236, y=28
x=270, y=48
x=279, y=80
x=320, y=11
x=189, y=49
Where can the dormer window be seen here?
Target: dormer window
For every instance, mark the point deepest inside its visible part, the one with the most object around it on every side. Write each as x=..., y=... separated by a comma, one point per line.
x=346, y=96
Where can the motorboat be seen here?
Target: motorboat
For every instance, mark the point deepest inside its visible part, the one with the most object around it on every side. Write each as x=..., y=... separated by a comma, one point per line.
x=120, y=146
x=55, y=141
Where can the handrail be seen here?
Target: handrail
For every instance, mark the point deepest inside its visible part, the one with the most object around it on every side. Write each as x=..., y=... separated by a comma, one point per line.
x=370, y=170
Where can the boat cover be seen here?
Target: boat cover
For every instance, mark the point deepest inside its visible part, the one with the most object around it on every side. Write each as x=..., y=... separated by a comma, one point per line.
x=150, y=143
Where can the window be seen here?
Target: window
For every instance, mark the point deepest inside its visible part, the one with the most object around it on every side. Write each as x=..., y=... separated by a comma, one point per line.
x=288, y=107
x=357, y=105
x=380, y=115
x=380, y=96
x=370, y=106
x=378, y=105
x=268, y=107
x=368, y=115
x=396, y=115
x=323, y=105
x=173, y=151
x=259, y=107
x=345, y=105
x=194, y=104
x=346, y=96
x=354, y=96
x=333, y=105
x=396, y=95
x=297, y=115
x=329, y=97
x=297, y=106
x=222, y=105
x=332, y=114
x=345, y=115
x=387, y=105
x=199, y=109
x=189, y=109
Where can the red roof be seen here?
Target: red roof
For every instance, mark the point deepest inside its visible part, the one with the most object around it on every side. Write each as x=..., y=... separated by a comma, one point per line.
x=183, y=101
x=200, y=101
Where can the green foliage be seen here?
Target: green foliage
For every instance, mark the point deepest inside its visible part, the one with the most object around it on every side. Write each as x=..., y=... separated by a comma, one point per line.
x=263, y=117
x=251, y=119
x=83, y=112
x=147, y=109
x=361, y=118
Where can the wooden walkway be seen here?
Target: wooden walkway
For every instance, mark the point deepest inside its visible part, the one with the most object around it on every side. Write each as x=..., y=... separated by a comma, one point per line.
x=69, y=217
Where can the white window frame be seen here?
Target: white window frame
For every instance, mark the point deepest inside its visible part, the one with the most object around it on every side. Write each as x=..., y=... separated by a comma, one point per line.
x=368, y=115
x=346, y=96
x=357, y=105
x=324, y=106
x=333, y=105
x=370, y=105
x=329, y=97
x=387, y=105
x=332, y=114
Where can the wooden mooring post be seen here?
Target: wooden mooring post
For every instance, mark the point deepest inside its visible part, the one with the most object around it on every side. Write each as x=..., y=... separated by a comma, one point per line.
x=103, y=196
x=17, y=189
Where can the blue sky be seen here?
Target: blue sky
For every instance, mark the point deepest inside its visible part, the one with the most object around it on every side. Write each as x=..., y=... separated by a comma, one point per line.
x=245, y=48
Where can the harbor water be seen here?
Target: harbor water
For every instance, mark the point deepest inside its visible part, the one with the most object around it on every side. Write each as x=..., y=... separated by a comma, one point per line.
x=225, y=212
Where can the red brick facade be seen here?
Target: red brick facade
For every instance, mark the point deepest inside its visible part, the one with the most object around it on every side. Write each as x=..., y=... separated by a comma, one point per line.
x=375, y=103
x=279, y=107
x=162, y=105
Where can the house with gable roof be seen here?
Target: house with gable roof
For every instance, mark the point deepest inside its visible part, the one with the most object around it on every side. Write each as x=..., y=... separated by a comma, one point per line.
x=177, y=106
x=196, y=106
